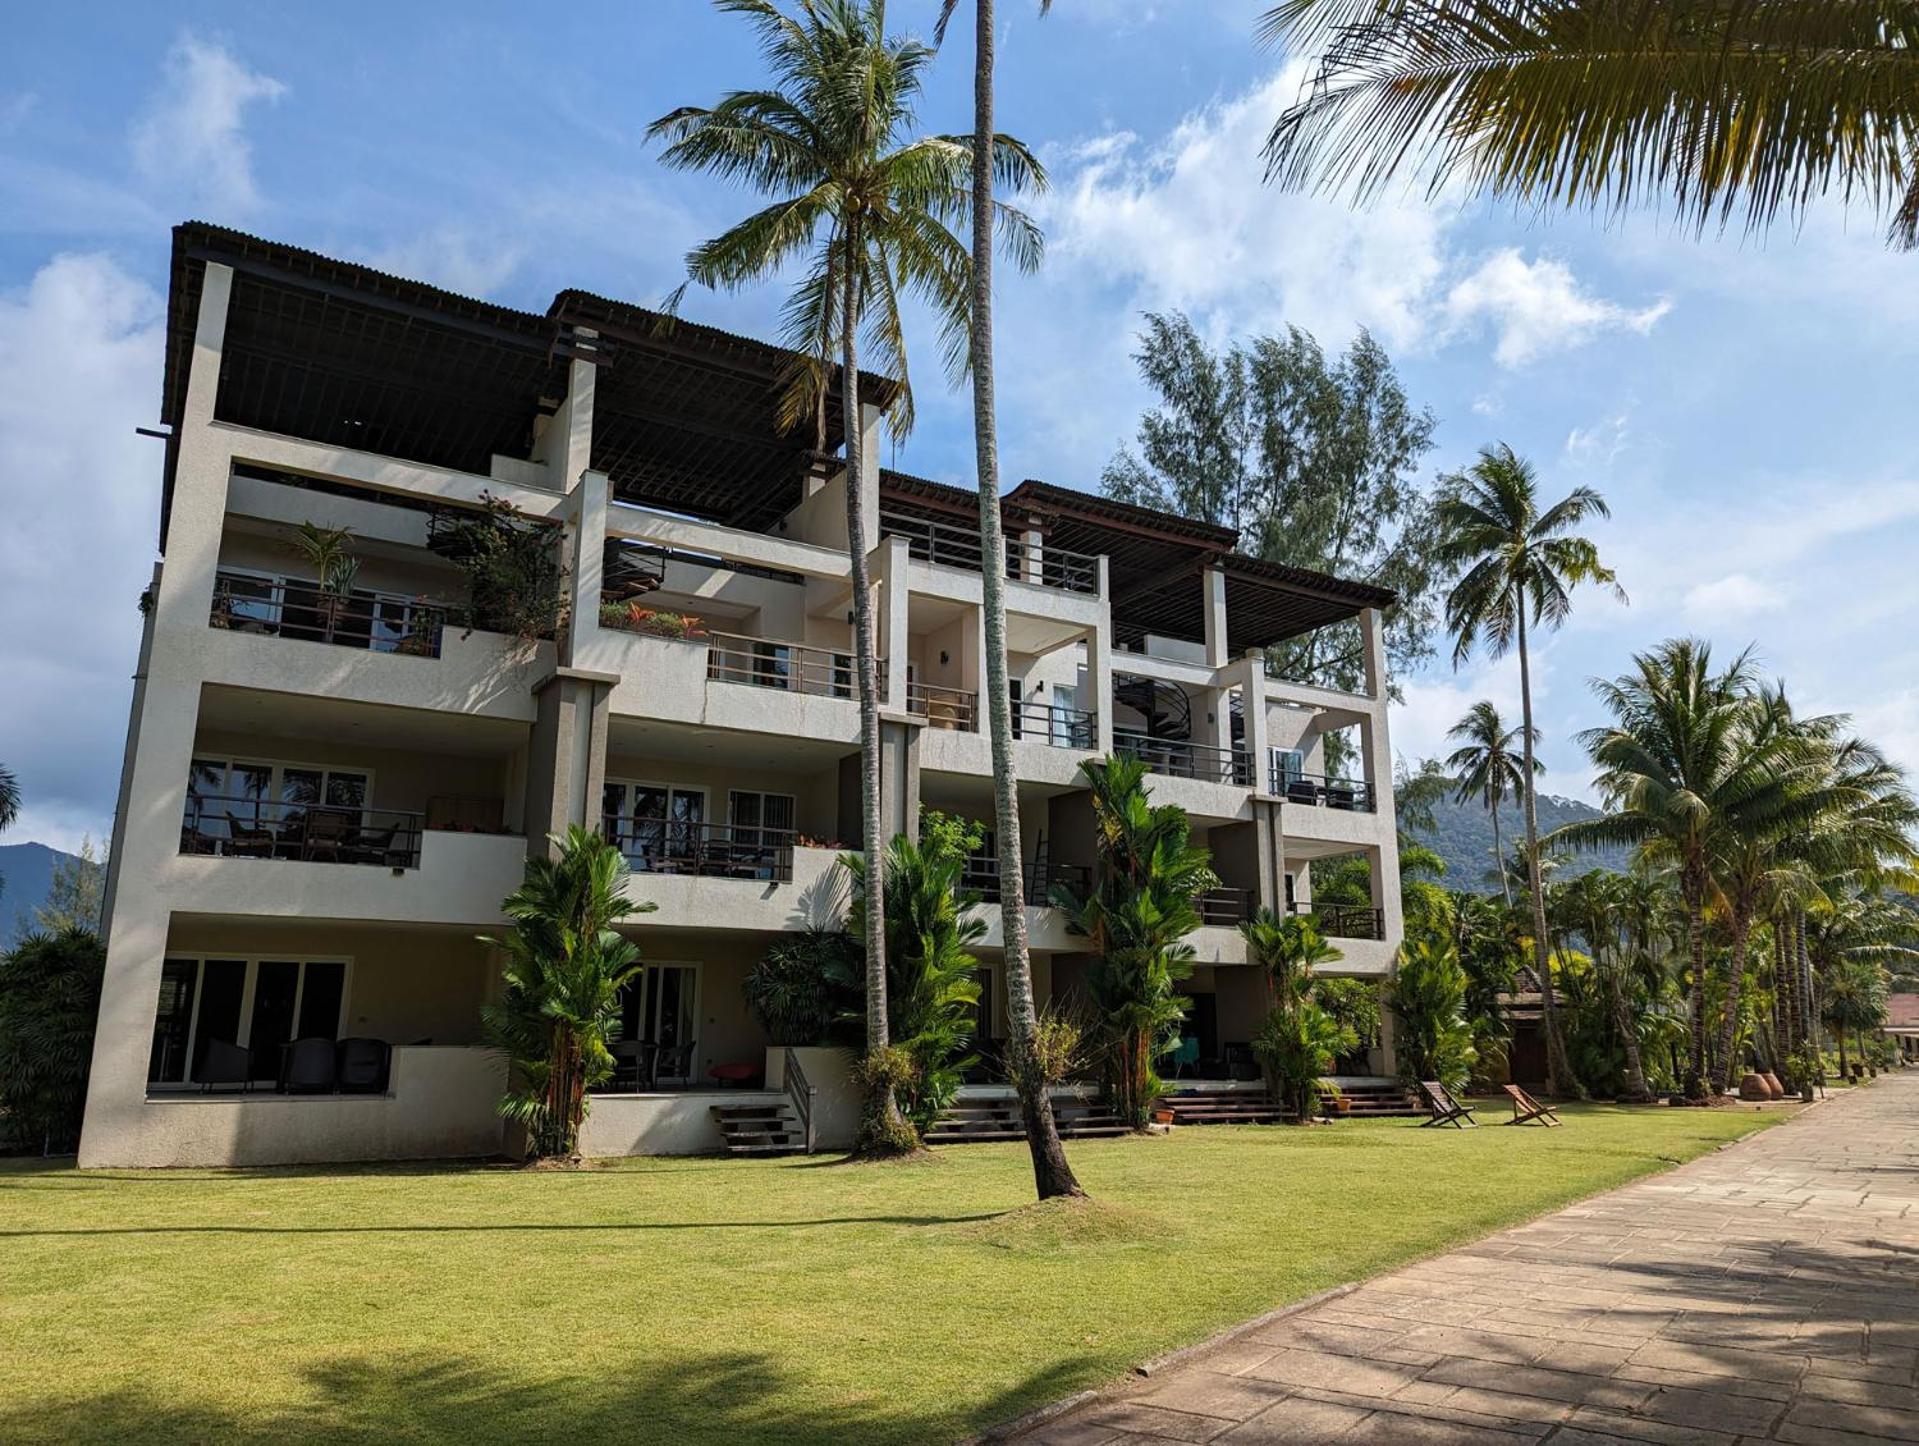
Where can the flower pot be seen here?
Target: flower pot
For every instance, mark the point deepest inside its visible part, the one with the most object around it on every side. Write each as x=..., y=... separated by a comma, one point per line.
x=1753, y=1087
x=1162, y=1117
x=1773, y=1084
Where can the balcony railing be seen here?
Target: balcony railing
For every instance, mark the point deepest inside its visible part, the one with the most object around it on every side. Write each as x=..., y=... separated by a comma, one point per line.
x=257, y=828
x=784, y=666
x=707, y=850
x=1226, y=906
x=276, y=607
x=1182, y=758
x=956, y=545
x=1320, y=790
x=953, y=709
x=1055, y=723
x=1343, y=921
x=1038, y=879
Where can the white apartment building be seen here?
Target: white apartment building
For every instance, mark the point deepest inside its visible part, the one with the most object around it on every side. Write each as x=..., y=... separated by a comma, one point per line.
x=321, y=809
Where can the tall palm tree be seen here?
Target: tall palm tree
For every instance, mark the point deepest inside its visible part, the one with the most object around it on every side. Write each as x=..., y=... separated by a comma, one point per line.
x=1519, y=566
x=1673, y=765
x=1597, y=904
x=864, y=208
x=9, y=798
x=1755, y=105
x=1052, y=1176
x=1487, y=766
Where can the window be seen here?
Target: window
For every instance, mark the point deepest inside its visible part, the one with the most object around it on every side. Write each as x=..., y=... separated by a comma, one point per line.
x=761, y=824
x=1065, y=715
x=1286, y=768
x=654, y=824
x=263, y=809
x=659, y=1025
x=259, y=1005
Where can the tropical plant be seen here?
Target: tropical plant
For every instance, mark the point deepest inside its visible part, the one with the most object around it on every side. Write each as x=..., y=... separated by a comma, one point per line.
x=1147, y=879
x=49, y=1000
x=798, y=988
x=1288, y=951
x=76, y=893
x=565, y=966
x=9, y=798
x=514, y=572
x=1760, y=105
x=1299, y=1039
x=863, y=209
x=1519, y=565
x=1428, y=998
x=932, y=980
x=1593, y=905
x=329, y=552
x=1052, y=1176
x=1489, y=765
x=1854, y=998
x=1490, y=939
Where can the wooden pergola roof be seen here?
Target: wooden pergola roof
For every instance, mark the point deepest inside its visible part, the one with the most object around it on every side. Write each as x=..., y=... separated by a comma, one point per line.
x=346, y=355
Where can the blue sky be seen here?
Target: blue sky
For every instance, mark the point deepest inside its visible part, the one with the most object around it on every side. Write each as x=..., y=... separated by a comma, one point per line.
x=1746, y=406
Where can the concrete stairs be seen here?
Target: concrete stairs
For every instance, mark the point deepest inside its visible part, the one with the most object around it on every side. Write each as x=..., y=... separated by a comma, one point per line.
x=975, y=1121
x=759, y=1129
x=1380, y=1099
x=1220, y=1107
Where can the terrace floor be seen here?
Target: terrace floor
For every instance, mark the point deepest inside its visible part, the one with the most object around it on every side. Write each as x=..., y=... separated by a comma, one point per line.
x=1769, y=1292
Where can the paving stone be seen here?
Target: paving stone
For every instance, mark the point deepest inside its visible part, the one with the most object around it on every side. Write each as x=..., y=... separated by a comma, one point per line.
x=1717, y=1410
x=1139, y=1418
x=1701, y=1381
x=1296, y=1419
x=1645, y=1428
x=1344, y=1373
x=1887, y=1421
x=1570, y=1386
x=1209, y=1394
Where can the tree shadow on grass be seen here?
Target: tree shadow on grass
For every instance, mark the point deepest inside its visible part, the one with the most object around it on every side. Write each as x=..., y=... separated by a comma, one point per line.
x=687, y=1400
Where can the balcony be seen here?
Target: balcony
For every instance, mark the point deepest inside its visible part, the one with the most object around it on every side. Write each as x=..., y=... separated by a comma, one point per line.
x=703, y=850
x=1226, y=907
x=1038, y=879
x=1353, y=795
x=955, y=710
x=1057, y=724
x=255, y=828
x=959, y=546
x=1182, y=758
x=282, y=608
x=786, y=667
x=1343, y=921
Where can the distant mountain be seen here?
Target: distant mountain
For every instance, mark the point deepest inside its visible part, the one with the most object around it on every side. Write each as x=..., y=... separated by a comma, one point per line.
x=1464, y=839
x=26, y=873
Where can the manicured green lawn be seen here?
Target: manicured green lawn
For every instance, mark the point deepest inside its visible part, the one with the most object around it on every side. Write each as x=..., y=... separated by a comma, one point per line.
x=718, y=1300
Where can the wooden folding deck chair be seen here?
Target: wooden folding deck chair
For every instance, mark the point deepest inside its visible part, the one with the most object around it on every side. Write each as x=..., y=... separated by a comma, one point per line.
x=1445, y=1109
x=1527, y=1109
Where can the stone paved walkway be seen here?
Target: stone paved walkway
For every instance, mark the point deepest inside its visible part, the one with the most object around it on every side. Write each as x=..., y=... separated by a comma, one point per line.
x=1768, y=1292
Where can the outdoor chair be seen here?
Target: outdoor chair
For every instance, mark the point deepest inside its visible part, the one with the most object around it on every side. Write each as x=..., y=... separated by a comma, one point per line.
x=1445, y=1110
x=1185, y=1055
x=225, y=1064
x=1301, y=790
x=363, y=1066
x=327, y=835
x=249, y=840
x=1527, y=1109
x=674, y=1061
x=309, y=1067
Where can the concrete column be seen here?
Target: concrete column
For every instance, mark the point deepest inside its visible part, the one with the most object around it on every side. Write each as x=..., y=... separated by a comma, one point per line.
x=1214, y=581
x=1099, y=666
x=160, y=751
x=585, y=547
x=1376, y=756
x=888, y=570
x=1388, y=1051
x=1252, y=697
x=1032, y=555
x=566, y=764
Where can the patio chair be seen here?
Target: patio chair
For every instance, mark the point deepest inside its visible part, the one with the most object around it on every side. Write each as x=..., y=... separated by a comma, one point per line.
x=1445, y=1110
x=226, y=1064
x=249, y=840
x=1527, y=1109
x=328, y=835
x=363, y=1066
x=1301, y=790
x=1185, y=1054
x=309, y=1067
x=674, y=1061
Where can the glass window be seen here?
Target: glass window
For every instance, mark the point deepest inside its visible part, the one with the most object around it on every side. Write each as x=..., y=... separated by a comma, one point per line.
x=173, y=1023
x=276, y=992
x=321, y=993
x=223, y=987
x=259, y=1006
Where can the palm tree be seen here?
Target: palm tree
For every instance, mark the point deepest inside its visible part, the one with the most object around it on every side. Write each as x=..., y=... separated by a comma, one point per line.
x=1520, y=565
x=1299, y=1039
x=863, y=208
x=1672, y=766
x=1753, y=105
x=9, y=798
x=1597, y=904
x=566, y=965
x=1855, y=999
x=1052, y=1176
x=1486, y=767
x=1147, y=880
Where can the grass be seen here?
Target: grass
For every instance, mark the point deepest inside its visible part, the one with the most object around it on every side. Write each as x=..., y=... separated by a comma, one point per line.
x=703, y=1300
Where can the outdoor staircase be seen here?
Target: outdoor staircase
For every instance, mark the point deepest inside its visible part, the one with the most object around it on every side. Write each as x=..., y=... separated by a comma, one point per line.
x=759, y=1129
x=974, y=1121
x=1381, y=1099
x=1219, y=1107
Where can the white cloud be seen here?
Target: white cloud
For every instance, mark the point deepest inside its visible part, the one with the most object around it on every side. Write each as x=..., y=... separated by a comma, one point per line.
x=1599, y=444
x=79, y=369
x=1537, y=308
x=1730, y=599
x=190, y=140
x=450, y=257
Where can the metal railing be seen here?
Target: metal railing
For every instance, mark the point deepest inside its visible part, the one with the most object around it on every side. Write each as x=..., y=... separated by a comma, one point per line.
x=802, y=1093
x=707, y=850
x=1226, y=906
x=1055, y=723
x=1344, y=921
x=258, y=828
x=954, y=709
x=956, y=545
x=1182, y=758
x=277, y=607
x=1321, y=790
x=1036, y=877
x=784, y=666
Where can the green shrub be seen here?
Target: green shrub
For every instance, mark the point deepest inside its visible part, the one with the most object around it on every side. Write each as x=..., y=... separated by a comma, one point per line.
x=1428, y=1001
x=49, y=1001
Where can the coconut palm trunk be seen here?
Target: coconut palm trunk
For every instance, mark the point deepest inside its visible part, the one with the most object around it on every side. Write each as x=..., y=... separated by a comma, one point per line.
x=1558, y=1071
x=1695, y=1082
x=1499, y=847
x=866, y=669
x=1052, y=1176
x=1729, y=1026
